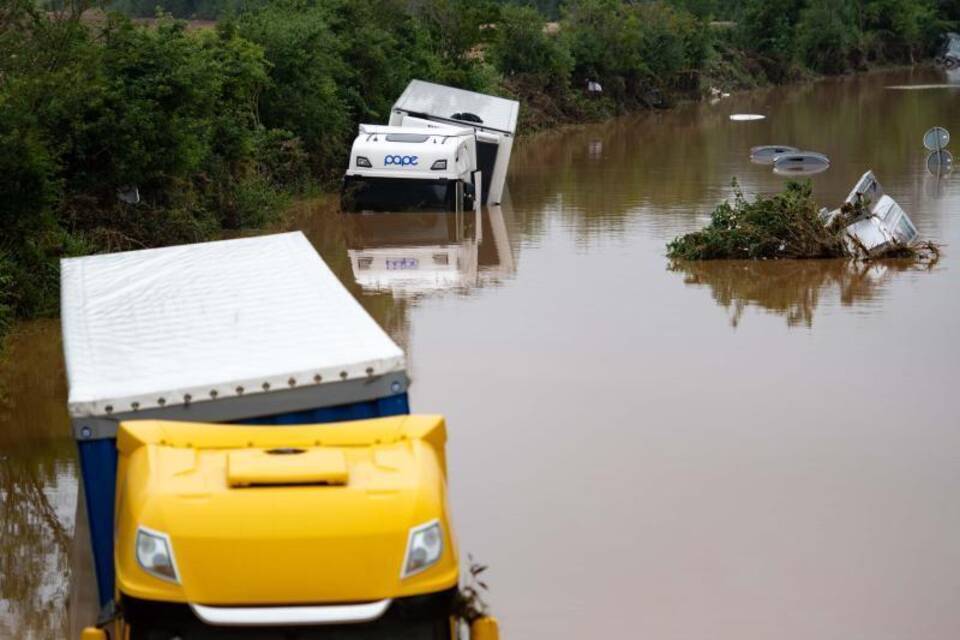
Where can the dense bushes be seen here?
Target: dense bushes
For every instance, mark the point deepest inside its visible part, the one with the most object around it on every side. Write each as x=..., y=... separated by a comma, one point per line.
x=836, y=36
x=521, y=46
x=785, y=225
x=632, y=49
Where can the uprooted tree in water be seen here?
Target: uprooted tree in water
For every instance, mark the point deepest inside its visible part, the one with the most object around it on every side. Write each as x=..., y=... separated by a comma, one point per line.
x=790, y=225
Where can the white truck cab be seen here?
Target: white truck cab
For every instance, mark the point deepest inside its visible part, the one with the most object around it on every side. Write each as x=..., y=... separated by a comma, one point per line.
x=398, y=168
x=444, y=148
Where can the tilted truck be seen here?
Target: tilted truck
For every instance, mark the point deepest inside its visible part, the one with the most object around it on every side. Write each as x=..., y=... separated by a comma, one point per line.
x=249, y=466
x=444, y=148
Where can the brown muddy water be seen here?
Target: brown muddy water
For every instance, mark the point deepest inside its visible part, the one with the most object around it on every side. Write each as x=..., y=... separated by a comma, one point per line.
x=638, y=449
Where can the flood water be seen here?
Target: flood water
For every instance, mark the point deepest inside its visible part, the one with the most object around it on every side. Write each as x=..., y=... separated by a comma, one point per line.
x=729, y=450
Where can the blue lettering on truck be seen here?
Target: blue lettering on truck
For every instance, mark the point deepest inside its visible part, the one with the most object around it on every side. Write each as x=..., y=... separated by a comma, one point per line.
x=403, y=161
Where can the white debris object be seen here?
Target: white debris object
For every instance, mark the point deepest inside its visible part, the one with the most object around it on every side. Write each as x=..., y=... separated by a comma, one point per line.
x=746, y=117
x=885, y=226
x=767, y=154
x=804, y=163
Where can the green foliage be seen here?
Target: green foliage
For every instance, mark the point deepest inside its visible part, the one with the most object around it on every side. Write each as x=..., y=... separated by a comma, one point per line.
x=786, y=225
x=454, y=33
x=6, y=295
x=634, y=48
x=522, y=46
x=899, y=30
x=766, y=29
x=302, y=95
x=827, y=35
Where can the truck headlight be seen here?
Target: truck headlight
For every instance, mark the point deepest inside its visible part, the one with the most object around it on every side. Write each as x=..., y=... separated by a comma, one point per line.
x=439, y=165
x=424, y=548
x=364, y=162
x=155, y=554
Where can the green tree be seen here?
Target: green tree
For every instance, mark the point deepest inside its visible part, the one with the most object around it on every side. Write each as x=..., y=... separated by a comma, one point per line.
x=302, y=95
x=827, y=35
x=766, y=30
x=899, y=30
x=522, y=46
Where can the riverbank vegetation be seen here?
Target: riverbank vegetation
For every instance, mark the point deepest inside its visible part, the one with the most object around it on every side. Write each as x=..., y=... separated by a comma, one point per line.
x=119, y=133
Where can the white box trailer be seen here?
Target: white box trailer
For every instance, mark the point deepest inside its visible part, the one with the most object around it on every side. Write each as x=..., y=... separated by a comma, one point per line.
x=494, y=120
x=252, y=331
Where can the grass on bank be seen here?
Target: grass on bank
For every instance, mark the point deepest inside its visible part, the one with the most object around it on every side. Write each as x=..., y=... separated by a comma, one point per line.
x=787, y=225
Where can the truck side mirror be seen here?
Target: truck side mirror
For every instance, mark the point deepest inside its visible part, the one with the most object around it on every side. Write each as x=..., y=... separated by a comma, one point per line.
x=93, y=633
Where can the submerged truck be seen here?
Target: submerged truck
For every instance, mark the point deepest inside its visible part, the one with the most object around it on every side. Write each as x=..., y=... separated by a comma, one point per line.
x=444, y=148
x=250, y=467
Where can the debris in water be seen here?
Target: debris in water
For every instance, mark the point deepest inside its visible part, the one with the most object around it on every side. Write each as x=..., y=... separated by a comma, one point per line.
x=801, y=163
x=873, y=223
x=786, y=225
x=949, y=56
x=469, y=604
x=129, y=194
x=716, y=94
x=746, y=117
x=922, y=87
x=936, y=139
x=869, y=225
x=940, y=163
x=767, y=154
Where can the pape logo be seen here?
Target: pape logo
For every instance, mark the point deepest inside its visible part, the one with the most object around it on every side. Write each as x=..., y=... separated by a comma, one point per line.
x=403, y=161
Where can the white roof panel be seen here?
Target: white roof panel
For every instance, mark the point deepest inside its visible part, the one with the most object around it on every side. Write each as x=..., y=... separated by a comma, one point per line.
x=440, y=130
x=154, y=326
x=439, y=101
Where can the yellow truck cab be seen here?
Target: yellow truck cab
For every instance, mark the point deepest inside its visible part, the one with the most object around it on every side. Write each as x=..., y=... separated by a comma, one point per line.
x=250, y=467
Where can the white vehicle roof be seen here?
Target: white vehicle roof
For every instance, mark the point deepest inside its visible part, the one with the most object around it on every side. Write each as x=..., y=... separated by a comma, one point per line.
x=438, y=130
x=162, y=327
x=439, y=101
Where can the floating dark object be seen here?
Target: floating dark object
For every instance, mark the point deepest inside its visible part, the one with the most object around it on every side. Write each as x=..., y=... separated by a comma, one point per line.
x=767, y=154
x=940, y=163
x=949, y=55
x=129, y=194
x=800, y=163
x=466, y=116
x=936, y=139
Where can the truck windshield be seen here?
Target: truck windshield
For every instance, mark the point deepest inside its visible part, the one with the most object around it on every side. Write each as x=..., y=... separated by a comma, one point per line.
x=396, y=194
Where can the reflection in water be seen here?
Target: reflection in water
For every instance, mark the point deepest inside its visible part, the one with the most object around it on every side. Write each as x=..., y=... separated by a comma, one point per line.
x=38, y=483
x=323, y=223
x=791, y=288
x=412, y=254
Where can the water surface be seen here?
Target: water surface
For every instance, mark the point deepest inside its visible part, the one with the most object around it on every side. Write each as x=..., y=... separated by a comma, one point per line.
x=735, y=450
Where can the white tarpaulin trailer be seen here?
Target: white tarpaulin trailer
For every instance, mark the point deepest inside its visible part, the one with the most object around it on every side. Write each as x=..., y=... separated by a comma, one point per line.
x=192, y=323
x=493, y=118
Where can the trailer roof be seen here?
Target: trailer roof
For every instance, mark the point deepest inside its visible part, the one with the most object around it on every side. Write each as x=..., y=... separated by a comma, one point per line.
x=162, y=327
x=439, y=101
x=441, y=131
